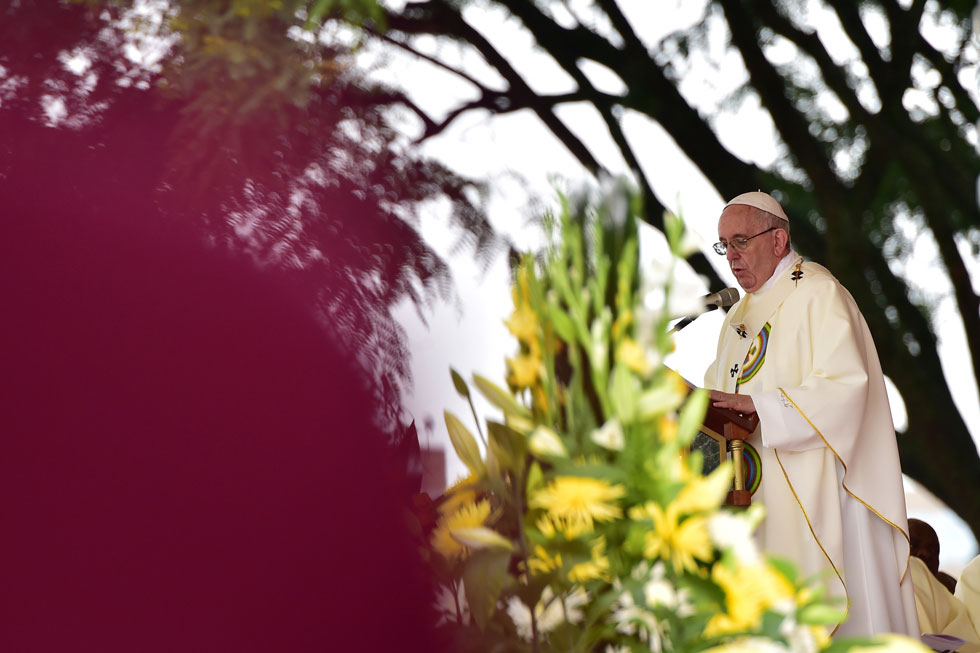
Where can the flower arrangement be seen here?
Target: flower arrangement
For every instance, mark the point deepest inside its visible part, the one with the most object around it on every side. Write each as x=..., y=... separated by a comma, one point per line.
x=585, y=523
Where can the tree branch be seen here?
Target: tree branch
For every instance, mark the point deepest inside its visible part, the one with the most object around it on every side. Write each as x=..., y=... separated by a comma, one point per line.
x=850, y=19
x=426, y=57
x=438, y=17
x=904, y=27
x=622, y=25
x=809, y=43
x=650, y=93
x=790, y=124
x=947, y=74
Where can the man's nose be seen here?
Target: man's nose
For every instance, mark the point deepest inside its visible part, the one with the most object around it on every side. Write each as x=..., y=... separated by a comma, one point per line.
x=730, y=253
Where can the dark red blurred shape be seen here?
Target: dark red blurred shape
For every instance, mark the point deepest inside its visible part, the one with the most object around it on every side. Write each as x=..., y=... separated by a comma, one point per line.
x=186, y=463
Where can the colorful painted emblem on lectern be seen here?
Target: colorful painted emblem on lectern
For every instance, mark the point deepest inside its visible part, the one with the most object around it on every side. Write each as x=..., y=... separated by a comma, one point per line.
x=755, y=357
x=752, y=467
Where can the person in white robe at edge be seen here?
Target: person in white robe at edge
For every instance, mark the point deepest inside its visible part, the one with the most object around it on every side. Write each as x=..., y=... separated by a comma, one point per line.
x=796, y=351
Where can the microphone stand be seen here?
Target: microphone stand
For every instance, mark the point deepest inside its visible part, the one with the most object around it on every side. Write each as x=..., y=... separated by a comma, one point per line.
x=683, y=322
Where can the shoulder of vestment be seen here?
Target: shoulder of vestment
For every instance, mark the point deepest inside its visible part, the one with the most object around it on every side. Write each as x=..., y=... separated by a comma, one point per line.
x=814, y=283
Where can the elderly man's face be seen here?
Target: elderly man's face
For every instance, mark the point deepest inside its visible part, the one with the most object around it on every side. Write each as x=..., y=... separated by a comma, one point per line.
x=754, y=265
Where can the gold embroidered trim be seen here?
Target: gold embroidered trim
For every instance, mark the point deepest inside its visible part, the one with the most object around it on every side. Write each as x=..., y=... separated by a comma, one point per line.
x=848, y=490
x=816, y=539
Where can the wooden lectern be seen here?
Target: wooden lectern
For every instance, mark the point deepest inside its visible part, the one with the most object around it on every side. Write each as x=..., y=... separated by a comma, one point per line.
x=724, y=430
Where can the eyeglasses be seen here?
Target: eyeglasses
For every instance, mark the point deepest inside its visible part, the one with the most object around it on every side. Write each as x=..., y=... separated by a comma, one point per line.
x=738, y=244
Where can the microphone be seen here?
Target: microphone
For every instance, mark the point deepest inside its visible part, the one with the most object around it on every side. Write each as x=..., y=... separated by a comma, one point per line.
x=721, y=299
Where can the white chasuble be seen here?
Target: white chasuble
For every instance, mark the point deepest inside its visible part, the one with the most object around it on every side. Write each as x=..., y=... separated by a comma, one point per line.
x=831, y=478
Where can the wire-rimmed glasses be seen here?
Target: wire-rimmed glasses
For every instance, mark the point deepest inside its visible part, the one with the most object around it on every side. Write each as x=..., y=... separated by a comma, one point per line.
x=738, y=244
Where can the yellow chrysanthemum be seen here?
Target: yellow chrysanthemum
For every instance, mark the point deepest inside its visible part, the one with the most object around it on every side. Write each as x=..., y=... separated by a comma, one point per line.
x=540, y=400
x=521, y=292
x=680, y=543
x=821, y=636
x=574, y=504
x=624, y=320
x=467, y=516
x=457, y=495
x=591, y=570
x=679, y=469
x=750, y=590
x=632, y=355
x=524, y=324
x=542, y=562
x=704, y=492
x=667, y=429
x=596, y=568
x=524, y=370
x=804, y=596
x=680, y=385
x=682, y=540
x=546, y=527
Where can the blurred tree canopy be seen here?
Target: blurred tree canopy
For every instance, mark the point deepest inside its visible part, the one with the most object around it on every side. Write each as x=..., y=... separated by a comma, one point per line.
x=877, y=129
x=238, y=118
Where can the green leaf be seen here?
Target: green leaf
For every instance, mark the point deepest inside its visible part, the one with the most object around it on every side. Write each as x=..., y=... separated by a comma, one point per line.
x=567, y=467
x=658, y=400
x=784, y=567
x=636, y=537
x=852, y=644
x=507, y=444
x=771, y=620
x=820, y=614
x=521, y=425
x=623, y=394
x=499, y=397
x=494, y=465
x=695, y=462
x=692, y=415
x=535, y=478
x=317, y=12
x=674, y=230
x=459, y=383
x=465, y=445
x=562, y=323
x=483, y=578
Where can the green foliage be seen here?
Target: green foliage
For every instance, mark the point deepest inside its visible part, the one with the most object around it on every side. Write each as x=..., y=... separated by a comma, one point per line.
x=464, y=444
x=586, y=525
x=250, y=64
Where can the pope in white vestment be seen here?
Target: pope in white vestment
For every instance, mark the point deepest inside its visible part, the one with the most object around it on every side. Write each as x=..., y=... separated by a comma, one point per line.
x=797, y=351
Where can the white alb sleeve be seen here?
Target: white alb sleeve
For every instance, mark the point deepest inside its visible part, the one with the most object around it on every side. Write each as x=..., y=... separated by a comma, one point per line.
x=781, y=424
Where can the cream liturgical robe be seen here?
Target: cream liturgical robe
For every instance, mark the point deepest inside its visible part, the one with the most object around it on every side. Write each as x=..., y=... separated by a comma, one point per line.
x=831, y=479
x=939, y=611
x=968, y=590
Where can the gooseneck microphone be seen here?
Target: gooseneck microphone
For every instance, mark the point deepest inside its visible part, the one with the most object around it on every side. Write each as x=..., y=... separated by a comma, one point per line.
x=721, y=299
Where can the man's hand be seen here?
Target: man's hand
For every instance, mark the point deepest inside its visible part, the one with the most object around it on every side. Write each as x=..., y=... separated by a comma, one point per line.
x=738, y=403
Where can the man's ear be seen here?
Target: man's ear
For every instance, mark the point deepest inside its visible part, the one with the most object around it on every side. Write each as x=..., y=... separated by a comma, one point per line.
x=780, y=240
